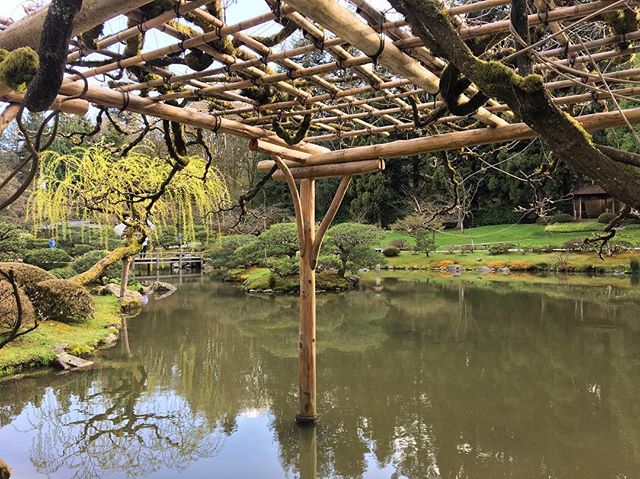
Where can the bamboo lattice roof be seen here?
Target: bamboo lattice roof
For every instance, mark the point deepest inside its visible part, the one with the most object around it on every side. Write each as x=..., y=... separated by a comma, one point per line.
x=353, y=65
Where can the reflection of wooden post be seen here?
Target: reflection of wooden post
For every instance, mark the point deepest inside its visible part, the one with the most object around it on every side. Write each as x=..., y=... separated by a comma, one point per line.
x=308, y=454
x=124, y=333
x=124, y=279
x=307, y=346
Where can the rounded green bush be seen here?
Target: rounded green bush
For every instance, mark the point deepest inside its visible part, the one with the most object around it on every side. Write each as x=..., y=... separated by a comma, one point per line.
x=47, y=258
x=391, y=251
x=62, y=300
x=80, y=249
x=63, y=273
x=9, y=310
x=26, y=274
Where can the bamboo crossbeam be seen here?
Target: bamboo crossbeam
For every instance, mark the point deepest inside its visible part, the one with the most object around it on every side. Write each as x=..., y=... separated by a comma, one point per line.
x=459, y=139
x=74, y=106
x=229, y=60
x=344, y=24
x=293, y=67
x=27, y=31
x=277, y=150
x=333, y=170
x=188, y=116
x=193, y=42
x=184, y=7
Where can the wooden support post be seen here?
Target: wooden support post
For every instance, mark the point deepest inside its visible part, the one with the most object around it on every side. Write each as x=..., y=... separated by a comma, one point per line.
x=305, y=209
x=307, y=412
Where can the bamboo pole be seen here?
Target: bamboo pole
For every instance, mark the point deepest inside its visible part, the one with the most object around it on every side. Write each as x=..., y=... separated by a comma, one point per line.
x=346, y=25
x=332, y=170
x=307, y=412
x=27, y=31
x=184, y=7
x=230, y=60
x=75, y=106
x=188, y=116
x=297, y=205
x=460, y=139
x=271, y=149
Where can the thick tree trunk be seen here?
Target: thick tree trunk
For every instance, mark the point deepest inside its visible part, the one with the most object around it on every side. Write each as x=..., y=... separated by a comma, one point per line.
x=526, y=96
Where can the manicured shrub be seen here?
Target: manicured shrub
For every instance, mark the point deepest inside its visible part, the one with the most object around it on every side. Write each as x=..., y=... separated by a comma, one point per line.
x=36, y=243
x=500, y=248
x=80, y=249
x=62, y=300
x=575, y=227
x=12, y=242
x=400, y=243
x=605, y=218
x=561, y=218
x=47, y=258
x=391, y=251
x=223, y=254
x=9, y=310
x=283, y=266
x=26, y=274
x=328, y=262
x=63, y=273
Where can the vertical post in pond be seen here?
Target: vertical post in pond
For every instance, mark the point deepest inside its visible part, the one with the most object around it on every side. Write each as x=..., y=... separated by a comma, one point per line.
x=124, y=278
x=307, y=412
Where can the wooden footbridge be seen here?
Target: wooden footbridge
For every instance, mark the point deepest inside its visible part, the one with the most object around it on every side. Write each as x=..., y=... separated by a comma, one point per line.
x=170, y=259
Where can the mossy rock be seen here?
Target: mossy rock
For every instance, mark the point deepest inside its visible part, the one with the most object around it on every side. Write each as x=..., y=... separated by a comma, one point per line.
x=62, y=300
x=26, y=274
x=9, y=309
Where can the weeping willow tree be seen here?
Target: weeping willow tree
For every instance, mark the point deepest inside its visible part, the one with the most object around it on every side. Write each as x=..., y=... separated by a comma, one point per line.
x=95, y=184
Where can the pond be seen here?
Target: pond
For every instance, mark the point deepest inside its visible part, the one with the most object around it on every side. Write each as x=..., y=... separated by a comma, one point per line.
x=431, y=379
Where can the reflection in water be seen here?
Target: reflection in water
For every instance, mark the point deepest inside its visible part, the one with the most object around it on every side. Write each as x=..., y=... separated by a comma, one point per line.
x=415, y=380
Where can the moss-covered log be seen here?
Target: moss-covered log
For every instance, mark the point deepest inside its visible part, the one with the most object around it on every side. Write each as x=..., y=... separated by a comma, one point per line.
x=526, y=96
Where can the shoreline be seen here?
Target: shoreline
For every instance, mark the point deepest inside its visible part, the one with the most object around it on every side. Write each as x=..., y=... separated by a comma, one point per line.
x=37, y=350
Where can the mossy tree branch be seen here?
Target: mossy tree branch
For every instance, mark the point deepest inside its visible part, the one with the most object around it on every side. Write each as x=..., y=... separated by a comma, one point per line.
x=54, y=45
x=526, y=96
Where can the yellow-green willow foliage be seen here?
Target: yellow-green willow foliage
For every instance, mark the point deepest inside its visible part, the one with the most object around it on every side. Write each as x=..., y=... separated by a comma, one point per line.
x=96, y=185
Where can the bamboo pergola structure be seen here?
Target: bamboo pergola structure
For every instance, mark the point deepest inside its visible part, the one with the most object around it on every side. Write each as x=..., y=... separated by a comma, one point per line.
x=353, y=71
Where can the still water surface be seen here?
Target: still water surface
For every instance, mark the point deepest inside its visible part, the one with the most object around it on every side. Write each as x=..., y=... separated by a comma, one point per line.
x=416, y=380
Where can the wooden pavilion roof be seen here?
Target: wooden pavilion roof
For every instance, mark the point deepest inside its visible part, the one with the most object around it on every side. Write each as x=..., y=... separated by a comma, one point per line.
x=367, y=67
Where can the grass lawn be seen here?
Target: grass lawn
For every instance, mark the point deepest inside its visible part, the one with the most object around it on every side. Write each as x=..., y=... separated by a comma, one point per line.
x=520, y=234
x=36, y=347
x=576, y=262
